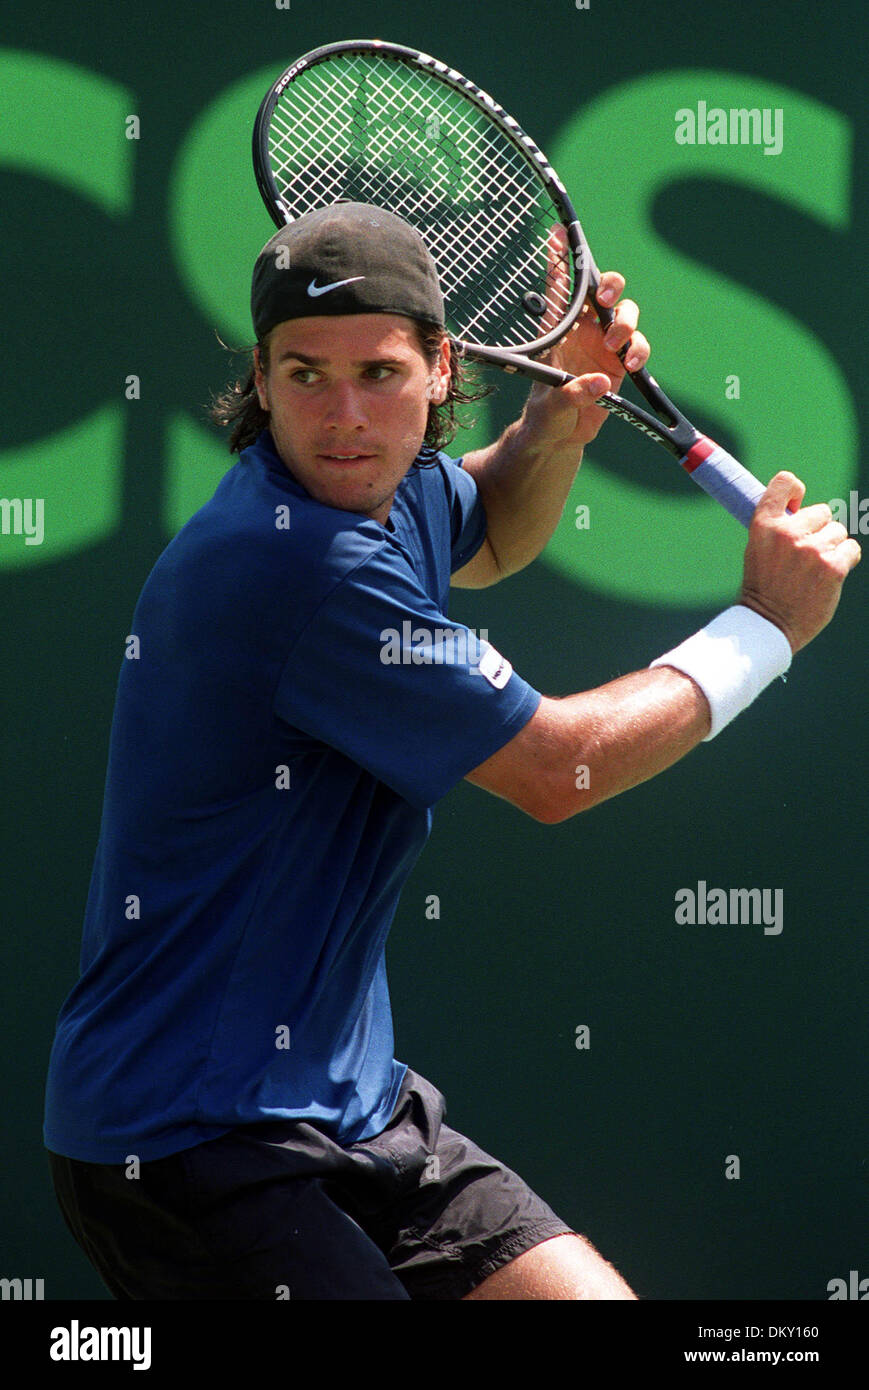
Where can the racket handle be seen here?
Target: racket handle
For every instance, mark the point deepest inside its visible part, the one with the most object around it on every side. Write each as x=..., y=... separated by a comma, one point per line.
x=722, y=477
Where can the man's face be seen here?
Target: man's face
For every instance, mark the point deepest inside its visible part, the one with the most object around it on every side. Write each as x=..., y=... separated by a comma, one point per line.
x=348, y=398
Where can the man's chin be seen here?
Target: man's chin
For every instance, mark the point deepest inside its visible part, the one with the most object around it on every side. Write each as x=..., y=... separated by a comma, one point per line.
x=358, y=498
x=347, y=484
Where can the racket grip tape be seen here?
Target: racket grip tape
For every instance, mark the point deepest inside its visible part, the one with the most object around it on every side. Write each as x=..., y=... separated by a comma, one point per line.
x=724, y=478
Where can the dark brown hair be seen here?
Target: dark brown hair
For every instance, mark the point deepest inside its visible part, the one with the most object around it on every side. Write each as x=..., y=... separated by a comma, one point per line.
x=238, y=408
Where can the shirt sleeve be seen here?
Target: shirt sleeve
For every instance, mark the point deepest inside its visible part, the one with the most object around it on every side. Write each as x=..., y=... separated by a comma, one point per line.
x=467, y=513
x=382, y=676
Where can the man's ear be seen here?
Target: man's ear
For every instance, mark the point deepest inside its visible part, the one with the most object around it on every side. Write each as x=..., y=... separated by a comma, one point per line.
x=439, y=381
x=259, y=380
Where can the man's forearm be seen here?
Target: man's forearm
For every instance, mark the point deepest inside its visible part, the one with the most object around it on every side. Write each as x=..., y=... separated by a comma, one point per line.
x=578, y=751
x=622, y=734
x=524, y=479
x=523, y=485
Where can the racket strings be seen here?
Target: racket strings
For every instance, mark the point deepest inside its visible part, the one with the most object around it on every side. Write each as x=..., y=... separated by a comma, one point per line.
x=466, y=255
x=378, y=131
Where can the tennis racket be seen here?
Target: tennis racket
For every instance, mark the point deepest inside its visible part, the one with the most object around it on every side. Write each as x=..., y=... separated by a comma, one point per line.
x=374, y=122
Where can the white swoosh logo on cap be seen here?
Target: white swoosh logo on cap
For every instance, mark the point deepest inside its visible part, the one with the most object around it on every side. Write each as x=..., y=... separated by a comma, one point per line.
x=314, y=289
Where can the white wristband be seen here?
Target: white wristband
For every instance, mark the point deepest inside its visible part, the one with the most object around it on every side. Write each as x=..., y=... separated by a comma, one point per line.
x=732, y=659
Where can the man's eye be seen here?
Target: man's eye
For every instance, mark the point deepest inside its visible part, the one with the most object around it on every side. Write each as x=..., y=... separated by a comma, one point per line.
x=304, y=375
x=380, y=373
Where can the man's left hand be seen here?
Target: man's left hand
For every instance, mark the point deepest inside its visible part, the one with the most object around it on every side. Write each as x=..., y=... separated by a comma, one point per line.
x=566, y=416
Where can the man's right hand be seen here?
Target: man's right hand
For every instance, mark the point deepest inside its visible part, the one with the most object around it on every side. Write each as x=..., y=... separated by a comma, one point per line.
x=795, y=562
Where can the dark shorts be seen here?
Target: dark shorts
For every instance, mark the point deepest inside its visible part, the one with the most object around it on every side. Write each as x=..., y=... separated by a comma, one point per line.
x=279, y=1210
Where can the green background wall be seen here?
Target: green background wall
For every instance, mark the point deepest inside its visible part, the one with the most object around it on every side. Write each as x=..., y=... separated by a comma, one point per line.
x=122, y=257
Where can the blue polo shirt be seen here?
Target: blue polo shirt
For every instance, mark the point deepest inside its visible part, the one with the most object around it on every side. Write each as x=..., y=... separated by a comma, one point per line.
x=292, y=703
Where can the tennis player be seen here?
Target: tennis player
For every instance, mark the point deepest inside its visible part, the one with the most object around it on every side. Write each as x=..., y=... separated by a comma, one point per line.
x=225, y=1117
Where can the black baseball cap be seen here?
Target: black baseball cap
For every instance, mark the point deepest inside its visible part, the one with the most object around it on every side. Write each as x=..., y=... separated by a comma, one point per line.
x=349, y=258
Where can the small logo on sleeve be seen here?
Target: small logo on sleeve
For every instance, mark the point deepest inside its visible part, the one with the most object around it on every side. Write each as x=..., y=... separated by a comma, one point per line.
x=495, y=667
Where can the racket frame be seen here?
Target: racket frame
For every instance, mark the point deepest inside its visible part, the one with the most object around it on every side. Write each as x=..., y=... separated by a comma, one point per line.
x=585, y=272
x=712, y=468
